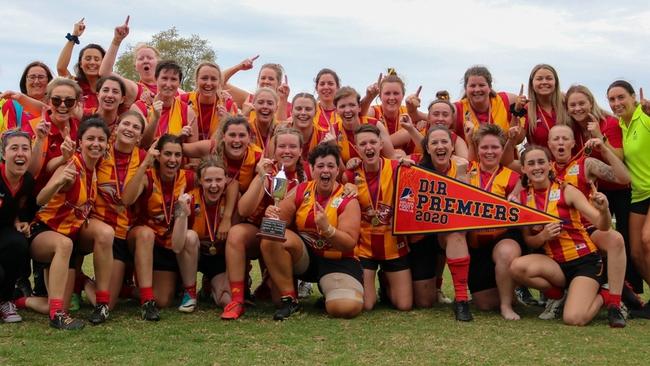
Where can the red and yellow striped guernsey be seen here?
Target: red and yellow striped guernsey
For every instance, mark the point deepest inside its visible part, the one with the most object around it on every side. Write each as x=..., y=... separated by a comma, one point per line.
x=325, y=118
x=334, y=206
x=392, y=125
x=208, y=215
x=574, y=241
x=574, y=174
x=172, y=119
x=244, y=170
x=157, y=203
x=113, y=173
x=256, y=217
x=502, y=182
x=498, y=114
x=256, y=135
x=345, y=138
x=208, y=118
x=67, y=211
x=376, y=240
x=318, y=134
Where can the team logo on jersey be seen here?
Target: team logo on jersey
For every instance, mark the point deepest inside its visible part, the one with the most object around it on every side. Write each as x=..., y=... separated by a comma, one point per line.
x=575, y=170
x=554, y=195
x=337, y=202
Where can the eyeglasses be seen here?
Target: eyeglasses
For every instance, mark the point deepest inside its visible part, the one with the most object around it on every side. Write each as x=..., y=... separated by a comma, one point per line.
x=36, y=77
x=69, y=102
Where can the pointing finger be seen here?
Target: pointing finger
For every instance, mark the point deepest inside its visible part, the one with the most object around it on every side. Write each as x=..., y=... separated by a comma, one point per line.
x=521, y=90
x=286, y=80
x=255, y=57
x=417, y=93
x=641, y=93
x=379, y=79
x=126, y=22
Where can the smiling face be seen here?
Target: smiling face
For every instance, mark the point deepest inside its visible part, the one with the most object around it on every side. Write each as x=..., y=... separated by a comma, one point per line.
x=17, y=154
x=440, y=114
x=145, y=63
x=621, y=102
x=110, y=96
x=544, y=82
x=36, y=82
x=287, y=150
x=236, y=140
x=64, y=94
x=326, y=88
x=168, y=82
x=170, y=159
x=129, y=130
x=268, y=78
x=391, y=96
x=208, y=80
x=490, y=152
x=477, y=90
x=213, y=182
x=560, y=143
x=93, y=143
x=348, y=108
x=325, y=170
x=536, y=167
x=90, y=62
x=265, y=107
x=579, y=107
x=369, y=146
x=303, y=112
x=440, y=148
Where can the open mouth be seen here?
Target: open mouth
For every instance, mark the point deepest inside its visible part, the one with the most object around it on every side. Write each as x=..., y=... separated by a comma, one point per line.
x=370, y=154
x=348, y=115
x=146, y=68
x=20, y=162
x=325, y=178
x=236, y=148
x=171, y=165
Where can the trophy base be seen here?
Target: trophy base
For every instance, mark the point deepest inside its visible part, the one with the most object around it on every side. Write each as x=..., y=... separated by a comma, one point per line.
x=272, y=229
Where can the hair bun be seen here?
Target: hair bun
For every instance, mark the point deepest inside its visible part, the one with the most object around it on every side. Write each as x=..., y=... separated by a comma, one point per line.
x=442, y=95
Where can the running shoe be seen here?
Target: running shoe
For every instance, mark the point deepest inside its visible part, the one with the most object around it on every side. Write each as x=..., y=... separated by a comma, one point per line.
x=630, y=298
x=553, y=308
x=99, y=314
x=63, y=321
x=23, y=288
x=188, y=303
x=150, y=311
x=8, y=312
x=524, y=297
x=442, y=298
x=233, y=311
x=288, y=307
x=615, y=316
x=461, y=311
x=304, y=289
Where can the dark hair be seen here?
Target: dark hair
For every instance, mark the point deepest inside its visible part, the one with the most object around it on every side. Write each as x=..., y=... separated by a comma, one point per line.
x=104, y=79
x=426, y=158
x=92, y=122
x=209, y=162
x=9, y=134
x=326, y=71
x=169, y=65
x=522, y=159
x=130, y=113
x=167, y=139
x=306, y=96
x=229, y=121
x=23, y=77
x=344, y=92
x=366, y=127
x=478, y=70
x=621, y=84
x=323, y=150
x=489, y=130
x=81, y=76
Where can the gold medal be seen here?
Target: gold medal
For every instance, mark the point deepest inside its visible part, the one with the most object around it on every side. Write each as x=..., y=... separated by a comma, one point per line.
x=375, y=221
x=212, y=250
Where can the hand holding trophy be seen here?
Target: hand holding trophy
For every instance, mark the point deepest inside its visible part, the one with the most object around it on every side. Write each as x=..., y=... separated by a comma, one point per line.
x=274, y=228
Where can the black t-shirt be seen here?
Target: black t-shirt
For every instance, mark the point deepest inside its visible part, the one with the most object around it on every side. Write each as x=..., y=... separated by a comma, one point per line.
x=21, y=204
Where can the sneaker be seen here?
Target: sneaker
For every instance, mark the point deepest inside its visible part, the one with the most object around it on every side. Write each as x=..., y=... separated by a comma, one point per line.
x=75, y=302
x=442, y=298
x=99, y=315
x=233, y=311
x=150, y=311
x=461, y=310
x=8, y=312
x=23, y=288
x=304, y=289
x=63, y=321
x=524, y=297
x=188, y=303
x=615, y=317
x=288, y=306
x=644, y=312
x=630, y=298
x=552, y=309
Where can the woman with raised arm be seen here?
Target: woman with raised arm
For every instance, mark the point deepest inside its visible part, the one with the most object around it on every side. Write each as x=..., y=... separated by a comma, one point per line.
x=571, y=259
x=28, y=103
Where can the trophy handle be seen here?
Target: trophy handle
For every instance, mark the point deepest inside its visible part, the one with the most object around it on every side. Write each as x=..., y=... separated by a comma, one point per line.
x=264, y=185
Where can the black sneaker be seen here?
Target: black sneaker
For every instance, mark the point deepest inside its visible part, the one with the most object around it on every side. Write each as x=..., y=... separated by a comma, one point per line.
x=150, y=312
x=23, y=288
x=461, y=310
x=524, y=297
x=644, y=312
x=630, y=298
x=288, y=307
x=63, y=321
x=615, y=317
x=99, y=315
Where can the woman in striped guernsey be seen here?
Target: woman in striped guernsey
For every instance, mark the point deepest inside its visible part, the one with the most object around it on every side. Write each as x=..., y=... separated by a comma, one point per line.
x=571, y=259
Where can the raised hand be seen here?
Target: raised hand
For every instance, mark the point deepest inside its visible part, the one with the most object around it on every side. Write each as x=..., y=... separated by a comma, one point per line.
x=283, y=89
x=320, y=218
x=79, y=28
x=68, y=146
x=521, y=99
x=413, y=101
x=152, y=154
x=121, y=31
x=593, y=126
x=247, y=64
x=645, y=104
x=68, y=174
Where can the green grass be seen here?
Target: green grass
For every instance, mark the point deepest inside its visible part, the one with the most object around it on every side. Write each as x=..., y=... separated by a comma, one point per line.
x=381, y=337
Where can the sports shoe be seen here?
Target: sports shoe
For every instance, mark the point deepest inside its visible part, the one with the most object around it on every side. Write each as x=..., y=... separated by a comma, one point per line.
x=461, y=311
x=524, y=297
x=233, y=311
x=63, y=321
x=644, y=312
x=630, y=298
x=8, y=312
x=288, y=306
x=553, y=308
x=304, y=289
x=75, y=302
x=23, y=288
x=150, y=311
x=188, y=303
x=442, y=298
x=99, y=315
x=615, y=317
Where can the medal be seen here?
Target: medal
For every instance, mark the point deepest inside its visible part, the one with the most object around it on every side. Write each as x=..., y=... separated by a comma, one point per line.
x=374, y=201
x=213, y=227
x=212, y=249
x=375, y=221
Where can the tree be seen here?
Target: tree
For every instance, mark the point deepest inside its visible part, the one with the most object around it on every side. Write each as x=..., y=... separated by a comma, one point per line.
x=188, y=52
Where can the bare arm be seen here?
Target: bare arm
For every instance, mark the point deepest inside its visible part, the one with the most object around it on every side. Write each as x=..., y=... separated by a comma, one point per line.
x=66, y=53
x=597, y=212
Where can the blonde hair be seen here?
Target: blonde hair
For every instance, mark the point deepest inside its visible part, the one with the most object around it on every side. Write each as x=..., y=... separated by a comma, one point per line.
x=598, y=112
x=59, y=81
x=557, y=100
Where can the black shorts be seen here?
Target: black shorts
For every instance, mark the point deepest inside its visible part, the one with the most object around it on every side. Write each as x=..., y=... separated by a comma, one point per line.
x=121, y=251
x=640, y=207
x=39, y=228
x=164, y=259
x=320, y=266
x=481, y=265
x=212, y=265
x=388, y=265
x=422, y=258
x=588, y=266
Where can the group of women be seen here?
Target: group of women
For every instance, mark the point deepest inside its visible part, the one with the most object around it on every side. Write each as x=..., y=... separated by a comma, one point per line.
x=160, y=184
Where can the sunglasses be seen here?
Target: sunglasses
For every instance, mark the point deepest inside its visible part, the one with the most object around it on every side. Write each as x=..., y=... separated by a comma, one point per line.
x=68, y=102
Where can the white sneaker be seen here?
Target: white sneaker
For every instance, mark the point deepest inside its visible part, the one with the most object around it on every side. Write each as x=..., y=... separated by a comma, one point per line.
x=188, y=303
x=8, y=312
x=442, y=298
x=304, y=289
x=553, y=308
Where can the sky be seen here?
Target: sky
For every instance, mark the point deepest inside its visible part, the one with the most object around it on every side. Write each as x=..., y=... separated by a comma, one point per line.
x=429, y=43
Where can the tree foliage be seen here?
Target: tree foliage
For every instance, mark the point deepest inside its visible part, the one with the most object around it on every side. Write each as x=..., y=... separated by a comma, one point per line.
x=188, y=52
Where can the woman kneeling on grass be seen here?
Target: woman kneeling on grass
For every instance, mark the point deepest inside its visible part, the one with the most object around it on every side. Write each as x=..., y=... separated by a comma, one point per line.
x=322, y=247
x=572, y=260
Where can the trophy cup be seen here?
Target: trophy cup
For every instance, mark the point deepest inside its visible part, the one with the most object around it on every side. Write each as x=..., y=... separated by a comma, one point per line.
x=274, y=229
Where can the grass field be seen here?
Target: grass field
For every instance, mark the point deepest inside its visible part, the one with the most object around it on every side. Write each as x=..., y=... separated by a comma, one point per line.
x=381, y=337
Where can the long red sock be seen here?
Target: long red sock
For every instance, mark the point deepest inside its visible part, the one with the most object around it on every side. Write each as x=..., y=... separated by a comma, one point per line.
x=55, y=305
x=191, y=290
x=613, y=300
x=237, y=291
x=459, y=268
x=102, y=297
x=554, y=293
x=21, y=302
x=146, y=294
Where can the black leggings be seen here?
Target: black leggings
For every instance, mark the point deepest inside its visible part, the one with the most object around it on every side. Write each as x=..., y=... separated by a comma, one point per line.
x=13, y=258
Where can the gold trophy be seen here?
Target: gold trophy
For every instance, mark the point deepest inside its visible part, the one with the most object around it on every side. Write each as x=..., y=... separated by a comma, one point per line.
x=274, y=229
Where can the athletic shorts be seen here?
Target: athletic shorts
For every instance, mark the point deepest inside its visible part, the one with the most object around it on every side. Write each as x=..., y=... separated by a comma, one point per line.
x=320, y=266
x=422, y=258
x=482, y=275
x=121, y=251
x=164, y=259
x=588, y=266
x=388, y=265
x=39, y=228
x=212, y=265
x=640, y=207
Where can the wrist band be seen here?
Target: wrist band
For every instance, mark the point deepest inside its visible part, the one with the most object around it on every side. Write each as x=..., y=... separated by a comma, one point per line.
x=521, y=113
x=72, y=38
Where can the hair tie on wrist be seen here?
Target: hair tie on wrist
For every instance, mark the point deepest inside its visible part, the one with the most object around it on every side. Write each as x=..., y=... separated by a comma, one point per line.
x=72, y=38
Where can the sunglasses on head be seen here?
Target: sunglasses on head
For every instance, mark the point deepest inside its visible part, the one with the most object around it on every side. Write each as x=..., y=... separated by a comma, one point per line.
x=68, y=102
